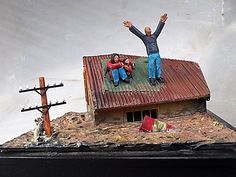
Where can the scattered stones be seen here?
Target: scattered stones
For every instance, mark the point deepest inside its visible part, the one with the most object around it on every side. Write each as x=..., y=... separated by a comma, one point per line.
x=77, y=129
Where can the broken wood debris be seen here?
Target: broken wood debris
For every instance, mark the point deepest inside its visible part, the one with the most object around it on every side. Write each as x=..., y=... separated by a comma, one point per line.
x=73, y=130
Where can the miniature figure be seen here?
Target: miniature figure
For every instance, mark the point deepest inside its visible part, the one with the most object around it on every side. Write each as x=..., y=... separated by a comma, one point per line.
x=129, y=66
x=116, y=69
x=150, y=41
x=39, y=130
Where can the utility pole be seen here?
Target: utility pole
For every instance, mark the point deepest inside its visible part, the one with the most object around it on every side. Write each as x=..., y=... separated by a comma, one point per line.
x=43, y=91
x=44, y=109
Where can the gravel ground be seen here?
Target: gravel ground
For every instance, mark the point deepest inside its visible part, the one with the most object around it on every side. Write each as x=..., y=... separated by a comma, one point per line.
x=75, y=128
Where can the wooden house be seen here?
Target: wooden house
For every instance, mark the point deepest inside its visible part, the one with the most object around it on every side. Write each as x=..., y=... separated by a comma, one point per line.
x=184, y=92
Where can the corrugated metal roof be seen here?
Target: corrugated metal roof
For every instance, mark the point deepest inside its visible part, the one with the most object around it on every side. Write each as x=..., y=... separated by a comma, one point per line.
x=139, y=81
x=184, y=81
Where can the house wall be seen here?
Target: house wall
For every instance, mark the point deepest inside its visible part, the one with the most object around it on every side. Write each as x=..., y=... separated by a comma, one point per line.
x=88, y=95
x=182, y=108
x=167, y=110
x=112, y=116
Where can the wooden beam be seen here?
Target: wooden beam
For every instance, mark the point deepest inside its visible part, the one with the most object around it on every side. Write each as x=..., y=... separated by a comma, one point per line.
x=47, y=125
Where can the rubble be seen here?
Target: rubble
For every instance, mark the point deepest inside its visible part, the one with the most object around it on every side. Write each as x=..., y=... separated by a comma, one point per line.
x=76, y=129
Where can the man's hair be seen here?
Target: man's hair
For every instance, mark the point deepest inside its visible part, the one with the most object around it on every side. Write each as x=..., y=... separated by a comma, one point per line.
x=125, y=60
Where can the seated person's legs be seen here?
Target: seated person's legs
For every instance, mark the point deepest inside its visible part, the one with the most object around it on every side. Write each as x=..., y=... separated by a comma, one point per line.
x=123, y=75
x=115, y=75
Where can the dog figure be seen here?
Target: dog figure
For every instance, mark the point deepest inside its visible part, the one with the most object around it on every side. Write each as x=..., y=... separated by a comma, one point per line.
x=39, y=129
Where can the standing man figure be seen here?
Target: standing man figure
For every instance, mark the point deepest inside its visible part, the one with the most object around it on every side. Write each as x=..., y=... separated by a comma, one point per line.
x=150, y=41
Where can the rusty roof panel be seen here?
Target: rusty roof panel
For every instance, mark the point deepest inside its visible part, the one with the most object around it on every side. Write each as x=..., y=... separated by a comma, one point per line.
x=184, y=81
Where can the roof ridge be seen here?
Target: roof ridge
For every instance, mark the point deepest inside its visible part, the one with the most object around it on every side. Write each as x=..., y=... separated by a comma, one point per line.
x=103, y=56
x=183, y=60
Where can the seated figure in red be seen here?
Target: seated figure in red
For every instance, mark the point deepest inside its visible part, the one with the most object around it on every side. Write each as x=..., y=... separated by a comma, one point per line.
x=129, y=66
x=116, y=69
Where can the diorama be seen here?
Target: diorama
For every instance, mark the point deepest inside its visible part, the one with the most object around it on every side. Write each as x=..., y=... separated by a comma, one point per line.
x=116, y=115
x=138, y=107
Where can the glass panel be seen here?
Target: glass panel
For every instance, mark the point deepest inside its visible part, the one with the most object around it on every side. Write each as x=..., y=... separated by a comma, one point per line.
x=146, y=113
x=137, y=116
x=129, y=116
x=154, y=113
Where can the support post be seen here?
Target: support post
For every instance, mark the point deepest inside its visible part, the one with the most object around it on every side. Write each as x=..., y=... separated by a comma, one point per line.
x=47, y=125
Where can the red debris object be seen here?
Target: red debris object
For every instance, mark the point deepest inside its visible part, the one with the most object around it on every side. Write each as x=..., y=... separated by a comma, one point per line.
x=169, y=126
x=147, y=124
x=153, y=125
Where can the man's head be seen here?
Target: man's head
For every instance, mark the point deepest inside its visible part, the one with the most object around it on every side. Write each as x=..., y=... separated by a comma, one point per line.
x=126, y=61
x=148, y=31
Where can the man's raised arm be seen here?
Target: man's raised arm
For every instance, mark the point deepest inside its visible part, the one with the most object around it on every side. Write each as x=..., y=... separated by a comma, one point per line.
x=133, y=29
x=161, y=24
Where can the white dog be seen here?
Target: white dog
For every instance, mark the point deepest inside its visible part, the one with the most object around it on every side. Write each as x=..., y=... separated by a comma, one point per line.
x=39, y=130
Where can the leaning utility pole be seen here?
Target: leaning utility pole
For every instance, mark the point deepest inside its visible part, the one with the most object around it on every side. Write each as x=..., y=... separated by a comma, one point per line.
x=44, y=109
x=47, y=125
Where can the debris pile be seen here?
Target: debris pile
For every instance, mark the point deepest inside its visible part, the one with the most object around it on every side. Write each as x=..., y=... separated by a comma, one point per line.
x=74, y=129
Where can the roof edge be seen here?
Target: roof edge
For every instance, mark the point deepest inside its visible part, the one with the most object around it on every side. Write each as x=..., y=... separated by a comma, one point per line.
x=206, y=97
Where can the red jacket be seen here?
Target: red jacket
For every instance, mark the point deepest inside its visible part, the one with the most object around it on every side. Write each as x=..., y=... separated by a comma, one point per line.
x=128, y=65
x=112, y=66
x=128, y=68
